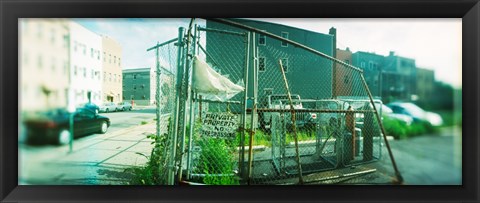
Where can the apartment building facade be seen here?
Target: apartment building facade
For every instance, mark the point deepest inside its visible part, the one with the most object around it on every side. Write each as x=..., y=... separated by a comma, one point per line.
x=43, y=64
x=112, y=70
x=86, y=65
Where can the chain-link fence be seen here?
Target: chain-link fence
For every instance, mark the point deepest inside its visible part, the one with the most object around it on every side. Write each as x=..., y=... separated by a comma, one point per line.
x=215, y=149
x=302, y=115
x=164, y=78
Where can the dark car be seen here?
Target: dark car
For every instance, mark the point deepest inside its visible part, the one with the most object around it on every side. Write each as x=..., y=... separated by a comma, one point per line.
x=54, y=126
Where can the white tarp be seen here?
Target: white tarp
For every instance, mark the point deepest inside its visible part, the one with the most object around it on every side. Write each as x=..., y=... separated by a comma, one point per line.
x=210, y=84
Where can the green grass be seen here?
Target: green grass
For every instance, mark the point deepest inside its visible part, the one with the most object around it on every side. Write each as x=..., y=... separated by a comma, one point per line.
x=143, y=122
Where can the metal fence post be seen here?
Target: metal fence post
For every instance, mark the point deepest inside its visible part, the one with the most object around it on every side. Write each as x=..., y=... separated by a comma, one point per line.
x=241, y=160
x=254, y=108
x=186, y=96
x=191, y=104
x=171, y=164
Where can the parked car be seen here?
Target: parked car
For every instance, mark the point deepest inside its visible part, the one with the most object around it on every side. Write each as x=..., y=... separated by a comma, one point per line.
x=418, y=114
x=91, y=106
x=124, y=106
x=388, y=112
x=54, y=126
x=108, y=107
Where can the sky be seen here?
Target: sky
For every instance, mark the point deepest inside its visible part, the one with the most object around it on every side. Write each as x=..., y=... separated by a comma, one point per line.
x=435, y=44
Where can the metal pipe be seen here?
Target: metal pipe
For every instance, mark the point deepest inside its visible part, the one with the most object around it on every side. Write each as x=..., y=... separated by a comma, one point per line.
x=185, y=89
x=397, y=172
x=292, y=111
x=159, y=45
x=192, y=106
x=171, y=164
x=221, y=31
x=313, y=110
x=245, y=99
x=254, y=99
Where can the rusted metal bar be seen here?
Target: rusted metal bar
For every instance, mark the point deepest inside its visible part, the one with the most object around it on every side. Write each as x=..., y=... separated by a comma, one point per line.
x=292, y=110
x=313, y=110
x=397, y=172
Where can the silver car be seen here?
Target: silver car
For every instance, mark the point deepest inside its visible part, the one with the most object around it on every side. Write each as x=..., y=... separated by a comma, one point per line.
x=108, y=107
x=124, y=106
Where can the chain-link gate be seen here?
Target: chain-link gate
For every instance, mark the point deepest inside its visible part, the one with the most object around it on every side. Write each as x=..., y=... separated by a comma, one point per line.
x=301, y=112
x=164, y=79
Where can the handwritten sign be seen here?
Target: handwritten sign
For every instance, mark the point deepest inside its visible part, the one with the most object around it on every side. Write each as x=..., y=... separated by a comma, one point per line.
x=220, y=125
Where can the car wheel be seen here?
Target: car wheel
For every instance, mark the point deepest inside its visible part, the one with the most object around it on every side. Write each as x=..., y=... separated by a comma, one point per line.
x=106, y=110
x=104, y=127
x=123, y=108
x=64, y=137
x=130, y=108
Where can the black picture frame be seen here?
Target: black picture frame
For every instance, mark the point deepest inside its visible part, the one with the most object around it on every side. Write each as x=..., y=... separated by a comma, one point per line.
x=11, y=10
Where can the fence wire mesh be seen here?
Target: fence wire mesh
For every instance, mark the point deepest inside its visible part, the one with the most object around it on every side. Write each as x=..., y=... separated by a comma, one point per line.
x=165, y=91
x=324, y=132
x=216, y=137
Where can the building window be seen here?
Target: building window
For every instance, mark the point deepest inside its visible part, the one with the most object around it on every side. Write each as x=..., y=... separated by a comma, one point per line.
x=84, y=49
x=91, y=52
x=93, y=74
x=284, y=35
x=285, y=64
x=262, y=39
x=118, y=61
x=65, y=68
x=109, y=58
x=39, y=61
x=104, y=56
x=362, y=64
x=134, y=76
x=52, y=36
x=75, y=70
x=25, y=58
x=39, y=30
x=53, y=64
x=261, y=64
x=134, y=86
x=110, y=77
x=75, y=46
x=104, y=76
x=84, y=72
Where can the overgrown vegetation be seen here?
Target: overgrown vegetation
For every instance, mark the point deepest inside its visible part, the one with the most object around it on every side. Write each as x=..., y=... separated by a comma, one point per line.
x=155, y=171
x=400, y=130
x=216, y=162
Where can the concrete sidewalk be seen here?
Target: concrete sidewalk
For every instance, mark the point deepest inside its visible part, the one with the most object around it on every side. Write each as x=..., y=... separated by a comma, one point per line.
x=98, y=160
